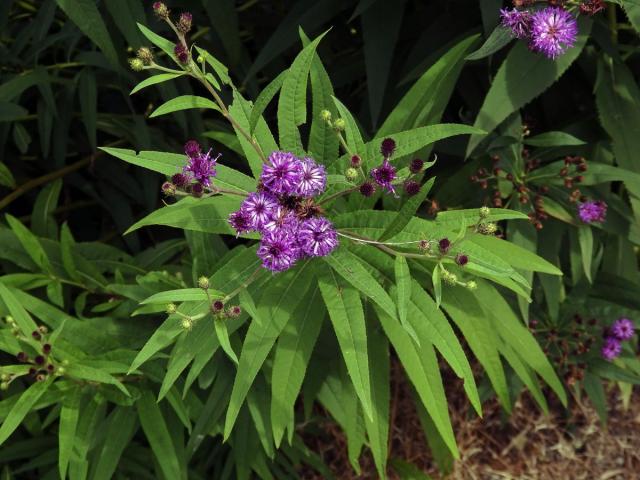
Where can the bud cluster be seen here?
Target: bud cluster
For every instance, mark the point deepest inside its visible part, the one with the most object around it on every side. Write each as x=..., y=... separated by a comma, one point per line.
x=42, y=365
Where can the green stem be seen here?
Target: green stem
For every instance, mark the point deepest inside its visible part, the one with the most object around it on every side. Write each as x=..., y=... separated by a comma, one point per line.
x=613, y=22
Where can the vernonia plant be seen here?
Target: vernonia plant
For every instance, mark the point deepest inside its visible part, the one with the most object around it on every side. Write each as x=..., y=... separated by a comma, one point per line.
x=333, y=229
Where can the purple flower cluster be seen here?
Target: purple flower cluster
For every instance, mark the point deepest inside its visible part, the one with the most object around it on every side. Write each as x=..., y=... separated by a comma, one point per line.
x=284, y=213
x=594, y=211
x=621, y=330
x=550, y=31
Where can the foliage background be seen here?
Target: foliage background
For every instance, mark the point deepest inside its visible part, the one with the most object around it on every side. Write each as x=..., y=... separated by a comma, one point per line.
x=64, y=91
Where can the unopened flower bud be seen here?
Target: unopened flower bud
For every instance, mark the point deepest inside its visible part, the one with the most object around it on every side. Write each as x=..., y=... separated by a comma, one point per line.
x=356, y=161
x=217, y=306
x=4, y=386
x=60, y=371
x=462, y=259
x=168, y=189
x=203, y=283
x=181, y=53
x=161, y=10
x=171, y=308
x=5, y=377
x=351, y=174
x=449, y=278
x=184, y=22
x=416, y=165
x=472, y=285
x=186, y=323
x=197, y=190
x=9, y=319
x=200, y=59
x=43, y=330
x=367, y=189
x=325, y=115
x=339, y=125
x=145, y=54
x=136, y=64
x=485, y=212
x=487, y=228
x=444, y=245
x=234, y=311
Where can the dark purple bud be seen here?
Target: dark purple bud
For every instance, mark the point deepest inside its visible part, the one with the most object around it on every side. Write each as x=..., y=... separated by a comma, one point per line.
x=181, y=53
x=234, y=311
x=184, y=22
x=367, y=189
x=416, y=165
x=36, y=335
x=356, y=161
x=180, y=180
x=444, y=245
x=50, y=367
x=32, y=371
x=192, y=148
x=46, y=348
x=217, y=306
x=22, y=357
x=168, y=188
x=462, y=259
x=197, y=190
x=39, y=360
x=412, y=187
x=161, y=9
x=387, y=147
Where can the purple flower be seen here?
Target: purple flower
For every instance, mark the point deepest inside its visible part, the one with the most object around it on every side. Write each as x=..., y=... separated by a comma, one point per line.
x=260, y=208
x=553, y=30
x=622, y=329
x=317, y=237
x=192, y=148
x=282, y=175
x=384, y=175
x=518, y=21
x=278, y=250
x=202, y=168
x=611, y=348
x=241, y=221
x=313, y=178
x=282, y=219
x=592, y=211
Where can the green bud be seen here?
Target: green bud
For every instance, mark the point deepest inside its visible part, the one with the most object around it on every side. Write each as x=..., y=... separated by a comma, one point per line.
x=472, y=285
x=449, y=278
x=351, y=174
x=339, y=124
x=485, y=212
x=325, y=115
x=145, y=54
x=187, y=323
x=60, y=371
x=203, y=283
x=136, y=64
x=487, y=228
x=5, y=377
x=171, y=308
x=200, y=59
x=9, y=319
x=65, y=362
x=4, y=386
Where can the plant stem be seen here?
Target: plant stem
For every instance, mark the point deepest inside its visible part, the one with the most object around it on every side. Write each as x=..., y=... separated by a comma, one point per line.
x=613, y=22
x=244, y=285
x=338, y=194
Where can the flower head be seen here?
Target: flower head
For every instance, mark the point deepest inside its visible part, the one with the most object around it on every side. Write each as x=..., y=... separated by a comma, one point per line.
x=553, y=30
x=611, y=348
x=313, y=178
x=202, y=168
x=260, y=208
x=181, y=53
x=444, y=245
x=282, y=174
x=411, y=187
x=282, y=219
x=592, y=211
x=622, y=329
x=184, y=22
x=367, y=189
x=192, y=148
x=241, y=221
x=387, y=147
x=317, y=237
x=518, y=21
x=278, y=250
x=416, y=165
x=384, y=175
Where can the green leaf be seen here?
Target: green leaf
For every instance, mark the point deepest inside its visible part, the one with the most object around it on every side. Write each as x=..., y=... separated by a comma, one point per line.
x=632, y=9
x=165, y=45
x=223, y=337
x=200, y=214
x=595, y=391
x=522, y=77
x=85, y=14
x=406, y=212
x=403, y=288
x=516, y=256
x=30, y=243
x=352, y=134
x=221, y=70
x=184, y=102
x=585, y=238
x=162, y=337
x=500, y=37
x=88, y=97
x=21, y=408
x=122, y=424
x=345, y=310
x=421, y=366
x=277, y=304
x=347, y=265
x=292, y=103
x=10, y=112
x=264, y=98
x=292, y=355
x=42, y=223
x=67, y=429
x=553, y=139
x=155, y=79
x=84, y=372
x=17, y=311
x=156, y=431
x=6, y=177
